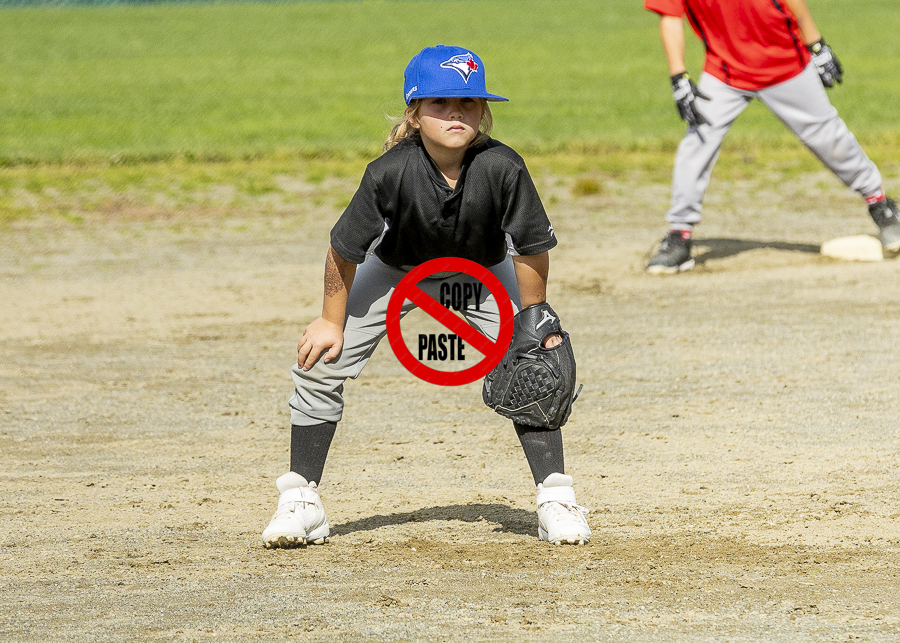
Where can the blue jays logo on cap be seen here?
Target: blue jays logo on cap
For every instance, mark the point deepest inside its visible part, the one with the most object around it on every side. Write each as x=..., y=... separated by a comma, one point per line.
x=464, y=63
x=445, y=72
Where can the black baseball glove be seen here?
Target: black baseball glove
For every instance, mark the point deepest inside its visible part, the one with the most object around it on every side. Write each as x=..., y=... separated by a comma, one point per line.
x=829, y=67
x=686, y=93
x=534, y=385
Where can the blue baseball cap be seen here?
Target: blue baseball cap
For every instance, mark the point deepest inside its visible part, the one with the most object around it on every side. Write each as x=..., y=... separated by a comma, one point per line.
x=444, y=72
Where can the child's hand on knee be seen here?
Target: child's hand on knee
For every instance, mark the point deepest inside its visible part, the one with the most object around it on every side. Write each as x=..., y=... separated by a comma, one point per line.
x=321, y=337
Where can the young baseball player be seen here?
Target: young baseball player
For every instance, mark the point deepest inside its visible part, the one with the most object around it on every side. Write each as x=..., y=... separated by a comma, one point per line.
x=766, y=49
x=442, y=188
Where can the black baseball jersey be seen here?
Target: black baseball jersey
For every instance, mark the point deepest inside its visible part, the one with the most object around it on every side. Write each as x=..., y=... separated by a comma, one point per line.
x=404, y=196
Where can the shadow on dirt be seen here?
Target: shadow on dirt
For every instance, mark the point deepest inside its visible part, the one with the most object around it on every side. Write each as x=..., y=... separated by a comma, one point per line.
x=510, y=520
x=722, y=248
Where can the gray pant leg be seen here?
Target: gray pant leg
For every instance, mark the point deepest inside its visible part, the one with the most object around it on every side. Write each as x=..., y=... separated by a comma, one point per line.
x=695, y=158
x=803, y=105
x=318, y=392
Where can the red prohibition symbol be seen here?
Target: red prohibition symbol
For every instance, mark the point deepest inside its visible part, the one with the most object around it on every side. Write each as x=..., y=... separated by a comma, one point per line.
x=408, y=289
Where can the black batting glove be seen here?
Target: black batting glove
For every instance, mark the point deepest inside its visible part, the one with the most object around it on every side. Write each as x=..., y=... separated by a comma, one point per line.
x=685, y=93
x=827, y=64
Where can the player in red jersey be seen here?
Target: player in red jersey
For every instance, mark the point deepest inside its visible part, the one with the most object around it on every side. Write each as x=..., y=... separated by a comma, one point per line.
x=766, y=49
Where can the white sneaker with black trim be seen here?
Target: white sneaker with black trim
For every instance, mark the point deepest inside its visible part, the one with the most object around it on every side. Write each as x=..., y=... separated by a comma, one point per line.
x=300, y=518
x=560, y=518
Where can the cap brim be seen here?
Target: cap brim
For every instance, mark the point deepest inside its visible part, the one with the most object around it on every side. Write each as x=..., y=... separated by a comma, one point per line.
x=461, y=94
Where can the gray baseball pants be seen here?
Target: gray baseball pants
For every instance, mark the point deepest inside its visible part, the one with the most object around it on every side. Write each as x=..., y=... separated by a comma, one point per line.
x=801, y=103
x=318, y=392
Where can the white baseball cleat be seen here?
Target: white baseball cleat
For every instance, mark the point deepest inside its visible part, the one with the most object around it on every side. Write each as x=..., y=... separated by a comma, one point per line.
x=560, y=518
x=300, y=518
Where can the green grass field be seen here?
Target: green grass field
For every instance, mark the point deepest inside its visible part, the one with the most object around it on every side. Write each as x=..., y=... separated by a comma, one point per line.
x=188, y=95
x=231, y=80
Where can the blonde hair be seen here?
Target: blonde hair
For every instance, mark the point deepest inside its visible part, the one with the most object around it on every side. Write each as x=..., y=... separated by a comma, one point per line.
x=403, y=127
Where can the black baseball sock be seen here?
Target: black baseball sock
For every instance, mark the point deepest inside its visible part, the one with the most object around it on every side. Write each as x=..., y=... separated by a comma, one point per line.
x=309, y=449
x=543, y=450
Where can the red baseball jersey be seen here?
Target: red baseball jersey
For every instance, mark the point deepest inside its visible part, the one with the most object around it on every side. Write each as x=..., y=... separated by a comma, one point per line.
x=750, y=44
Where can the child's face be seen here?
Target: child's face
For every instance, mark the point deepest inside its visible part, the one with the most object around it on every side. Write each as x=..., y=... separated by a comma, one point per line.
x=450, y=123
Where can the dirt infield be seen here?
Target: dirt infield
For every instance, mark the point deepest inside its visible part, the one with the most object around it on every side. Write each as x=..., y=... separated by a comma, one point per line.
x=737, y=440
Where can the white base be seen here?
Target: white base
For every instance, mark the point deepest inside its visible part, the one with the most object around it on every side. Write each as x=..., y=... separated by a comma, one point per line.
x=860, y=247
